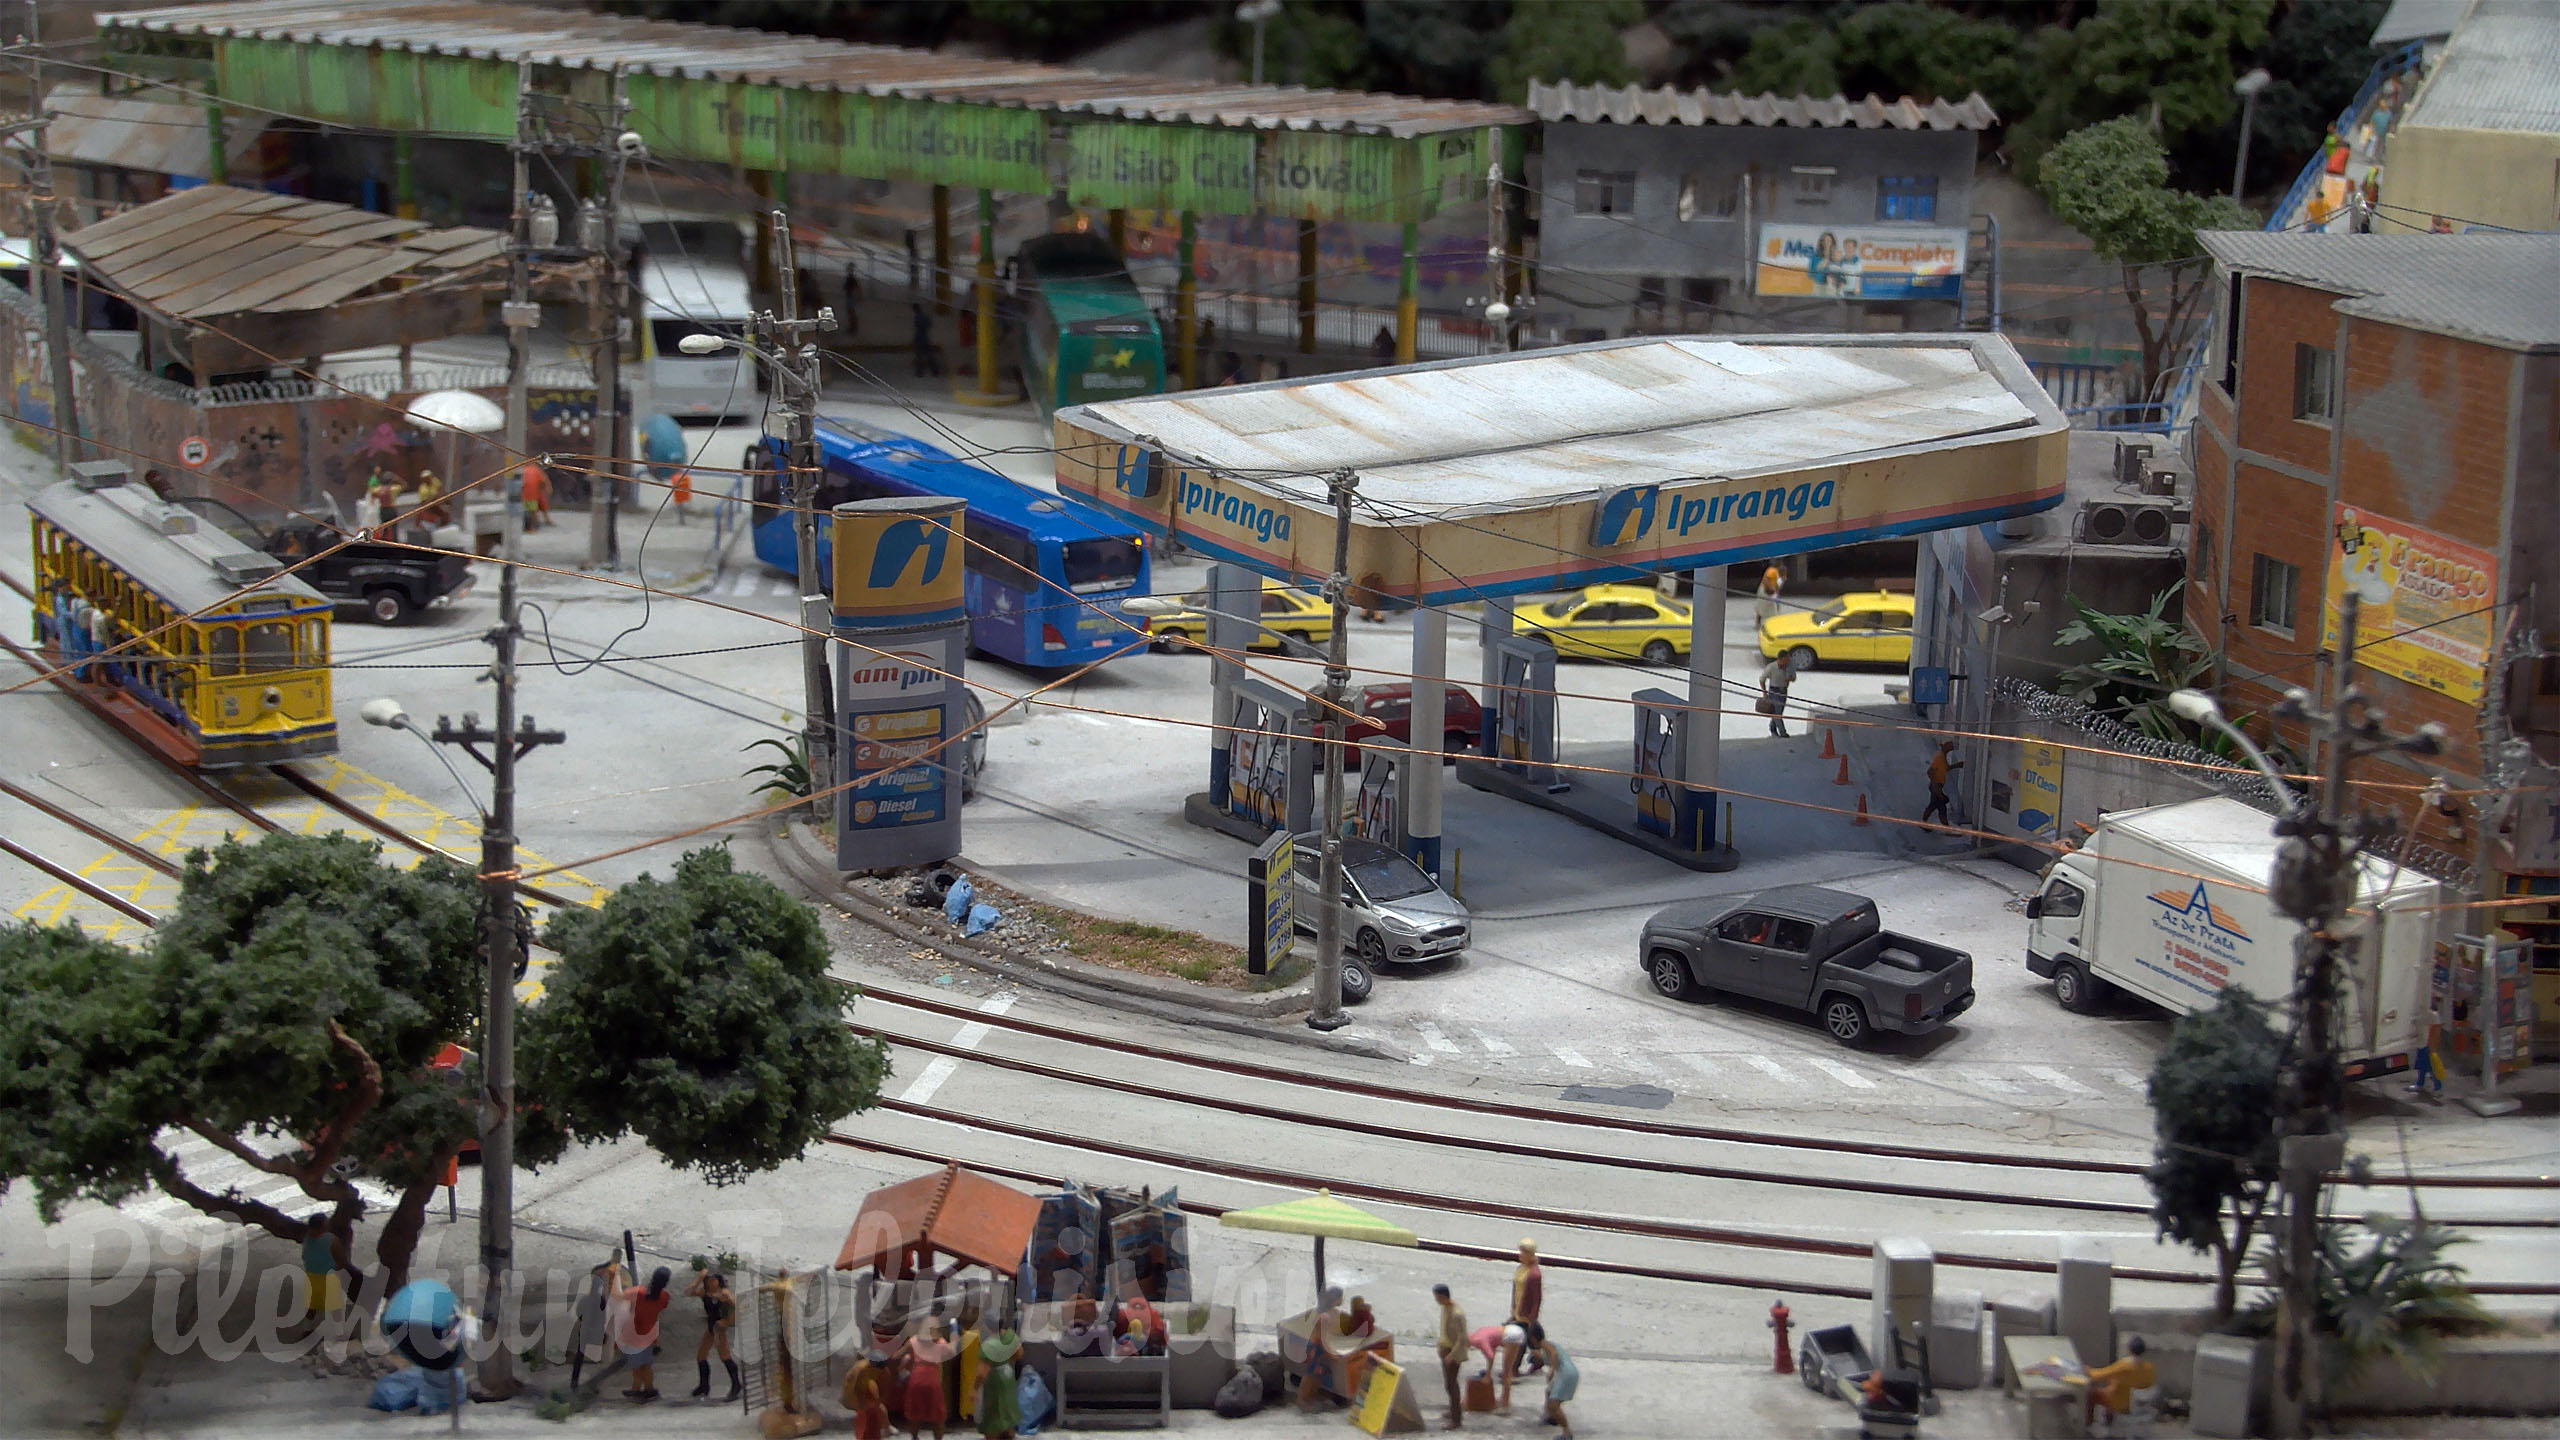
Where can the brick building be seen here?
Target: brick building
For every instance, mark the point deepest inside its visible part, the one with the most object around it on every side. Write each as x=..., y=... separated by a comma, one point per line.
x=2383, y=412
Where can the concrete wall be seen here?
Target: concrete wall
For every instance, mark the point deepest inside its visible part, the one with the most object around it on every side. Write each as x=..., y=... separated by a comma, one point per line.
x=2505, y=178
x=2485, y=1375
x=1589, y=263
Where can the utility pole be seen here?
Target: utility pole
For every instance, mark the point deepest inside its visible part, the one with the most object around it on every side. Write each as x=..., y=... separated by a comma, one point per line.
x=792, y=352
x=1497, y=310
x=40, y=201
x=611, y=313
x=1342, y=484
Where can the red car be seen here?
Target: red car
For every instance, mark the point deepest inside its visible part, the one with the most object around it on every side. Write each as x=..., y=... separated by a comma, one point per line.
x=1389, y=708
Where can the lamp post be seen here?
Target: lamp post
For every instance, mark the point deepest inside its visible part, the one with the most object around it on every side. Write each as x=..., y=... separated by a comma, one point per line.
x=391, y=715
x=2247, y=87
x=1258, y=14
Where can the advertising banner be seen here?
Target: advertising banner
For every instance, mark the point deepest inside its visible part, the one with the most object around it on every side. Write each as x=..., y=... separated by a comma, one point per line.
x=900, y=708
x=2040, y=789
x=900, y=562
x=2424, y=614
x=1883, y=262
x=1271, y=891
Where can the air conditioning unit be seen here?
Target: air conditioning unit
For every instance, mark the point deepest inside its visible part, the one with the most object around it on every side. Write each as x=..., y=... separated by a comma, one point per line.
x=2160, y=482
x=2127, y=522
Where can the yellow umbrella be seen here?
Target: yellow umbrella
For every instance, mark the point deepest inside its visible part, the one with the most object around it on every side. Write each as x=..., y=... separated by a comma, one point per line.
x=1323, y=1217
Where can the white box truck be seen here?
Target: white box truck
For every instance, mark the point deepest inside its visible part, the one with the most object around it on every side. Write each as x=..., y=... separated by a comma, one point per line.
x=2169, y=903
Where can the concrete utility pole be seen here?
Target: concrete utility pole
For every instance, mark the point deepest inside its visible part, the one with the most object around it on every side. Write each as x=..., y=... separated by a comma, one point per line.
x=40, y=202
x=1497, y=310
x=2315, y=884
x=1337, y=690
x=611, y=313
x=796, y=357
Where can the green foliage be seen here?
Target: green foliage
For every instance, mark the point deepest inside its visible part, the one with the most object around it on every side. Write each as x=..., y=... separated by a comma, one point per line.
x=2145, y=657
x=80, y=1093
x=696, y=1013
x=2317, y=59
x=1316, y=44
x=1573, y=40
x=2389, y=1292
x=787, y=777
x=1794, y=57
x=2173, y=59
x=2214, y=1094
x=1435, y=47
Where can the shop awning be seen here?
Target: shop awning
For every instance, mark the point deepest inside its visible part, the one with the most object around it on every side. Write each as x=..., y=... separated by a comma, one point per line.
x=952, y=1212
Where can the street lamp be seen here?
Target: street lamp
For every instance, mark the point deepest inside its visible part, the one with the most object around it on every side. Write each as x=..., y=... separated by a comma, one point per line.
x=387, y=713
x=2197, y=708
x=1258, y=13
x=2247, y=87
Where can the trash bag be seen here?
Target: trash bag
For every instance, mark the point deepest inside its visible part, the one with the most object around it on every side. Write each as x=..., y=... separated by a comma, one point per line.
x=1240, y=1396
x=1266, y=1363
x=955, y=905
x=395, y=1391
x=982, y=918
x=435, y=1391
x=1032, y=1392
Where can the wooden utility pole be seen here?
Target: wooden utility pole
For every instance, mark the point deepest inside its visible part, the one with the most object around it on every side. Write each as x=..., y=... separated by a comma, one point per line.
x=40, y=202
x=1328, y=1015
x=610, y=315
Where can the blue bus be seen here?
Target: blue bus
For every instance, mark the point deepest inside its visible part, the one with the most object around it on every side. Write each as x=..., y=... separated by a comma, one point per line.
x=1046, y=573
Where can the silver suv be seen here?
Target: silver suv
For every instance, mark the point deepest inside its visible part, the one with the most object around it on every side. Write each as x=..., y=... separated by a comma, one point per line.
x=1393, y=912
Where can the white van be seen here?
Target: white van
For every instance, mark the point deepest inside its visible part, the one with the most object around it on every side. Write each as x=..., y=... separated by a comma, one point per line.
x=680, y=296
x=2170, y=904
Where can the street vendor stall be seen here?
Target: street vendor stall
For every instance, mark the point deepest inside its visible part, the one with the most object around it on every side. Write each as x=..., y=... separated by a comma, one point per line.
x=1330, y=1342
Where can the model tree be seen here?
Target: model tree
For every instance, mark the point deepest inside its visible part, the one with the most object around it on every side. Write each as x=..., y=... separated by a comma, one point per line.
x=696, y=1013
x=2110, y=182
x=2214, y=1107
x=286, y=1012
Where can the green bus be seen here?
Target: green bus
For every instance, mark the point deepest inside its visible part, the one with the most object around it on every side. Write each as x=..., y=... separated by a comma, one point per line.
x=1087, y=333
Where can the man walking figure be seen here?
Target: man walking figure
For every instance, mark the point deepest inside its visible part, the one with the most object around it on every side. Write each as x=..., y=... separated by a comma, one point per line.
x=1453, y=1350
x=1939, y=768
x=1775, y=677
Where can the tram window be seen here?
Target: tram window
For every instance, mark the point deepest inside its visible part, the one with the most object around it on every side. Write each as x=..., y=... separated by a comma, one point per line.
x=223, y=643
x=269, y=647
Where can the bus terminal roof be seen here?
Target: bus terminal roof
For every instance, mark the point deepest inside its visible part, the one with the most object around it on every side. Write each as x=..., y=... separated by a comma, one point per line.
x=1515, y=473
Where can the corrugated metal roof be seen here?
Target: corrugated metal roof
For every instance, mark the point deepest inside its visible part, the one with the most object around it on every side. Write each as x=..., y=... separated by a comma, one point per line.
x=215, y=250
x=1520, y=431
x=676, y=48
x=92, y=129
x=1635, y=105
x=2500, y=71
x=2499, y=289
x=2409, y=20
x=166, y=548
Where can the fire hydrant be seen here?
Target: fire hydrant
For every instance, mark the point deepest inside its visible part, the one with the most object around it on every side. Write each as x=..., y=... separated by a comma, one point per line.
x=1786, y=1354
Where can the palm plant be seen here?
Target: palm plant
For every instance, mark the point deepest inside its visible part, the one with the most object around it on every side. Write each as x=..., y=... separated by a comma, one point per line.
x=2144, y=658
x=2388, y=1292
x=787, y=776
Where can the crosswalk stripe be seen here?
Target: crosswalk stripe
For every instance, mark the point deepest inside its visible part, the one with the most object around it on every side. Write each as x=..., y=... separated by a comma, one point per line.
x=1432, y=1037
x=929, y=1079
x=1570, y=1056
x=1697, y=1062
x=1418, y=1057
x=1840, y=1072
x=1772, y=1069
x=2129, y=1080
x=779, y=587
x=2060, y=1081
x=1493, y=1046
x=738, y=584
x=1993, y=1080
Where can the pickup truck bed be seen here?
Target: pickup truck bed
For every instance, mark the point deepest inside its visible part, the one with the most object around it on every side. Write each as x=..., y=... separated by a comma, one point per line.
x=1817, y=950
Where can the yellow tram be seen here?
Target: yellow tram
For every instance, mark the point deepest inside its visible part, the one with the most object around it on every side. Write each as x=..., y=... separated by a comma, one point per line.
x=194, y=643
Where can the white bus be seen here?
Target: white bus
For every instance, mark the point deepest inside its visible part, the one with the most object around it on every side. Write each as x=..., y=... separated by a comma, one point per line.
x=680, y=296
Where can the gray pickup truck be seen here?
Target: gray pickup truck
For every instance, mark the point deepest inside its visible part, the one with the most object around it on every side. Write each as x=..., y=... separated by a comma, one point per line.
x=1818, y=950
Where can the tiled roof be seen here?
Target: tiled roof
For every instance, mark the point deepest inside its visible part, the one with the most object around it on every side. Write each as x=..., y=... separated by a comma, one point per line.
x=2496, y=288
x=2500, y=71
x=1635, y=105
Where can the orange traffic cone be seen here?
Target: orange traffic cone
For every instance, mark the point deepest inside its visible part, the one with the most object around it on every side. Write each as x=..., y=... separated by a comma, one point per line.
x=1843, y=777
x=1828, y=753
x=1862, y=809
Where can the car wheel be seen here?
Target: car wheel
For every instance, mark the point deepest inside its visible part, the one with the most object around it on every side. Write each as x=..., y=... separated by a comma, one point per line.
x=1802, y=658
x=1455, y=744
x=1356, y=982
x=1670, y=976
x=1659, y=652
x=2074, y=988
x=387, y=606
x=1845, y=1018
x=1372, y=947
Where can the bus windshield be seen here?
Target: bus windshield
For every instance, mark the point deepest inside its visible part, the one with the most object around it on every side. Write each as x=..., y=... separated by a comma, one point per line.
x=1096, y=565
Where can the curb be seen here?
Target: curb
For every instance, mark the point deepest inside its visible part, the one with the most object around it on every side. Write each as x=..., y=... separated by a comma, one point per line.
x=1095, y=984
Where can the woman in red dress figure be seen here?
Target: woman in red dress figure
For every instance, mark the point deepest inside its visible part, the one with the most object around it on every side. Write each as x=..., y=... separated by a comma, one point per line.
x=924, y=1400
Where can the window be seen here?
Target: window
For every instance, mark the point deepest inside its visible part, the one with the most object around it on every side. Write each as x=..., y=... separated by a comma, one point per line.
x=1604, y=192
x=2315, y=383
x=2230, y=340
x=2272, y=584
x=1005, y=556
x=2063, y=899
x=1708, y=197
x=1093, y=566
x=1706, y=295
x=1275, y=603
x=1795, y=935
x=1748, y=928
x=1812, y=183
x=1651, y=291
x=1907, y=197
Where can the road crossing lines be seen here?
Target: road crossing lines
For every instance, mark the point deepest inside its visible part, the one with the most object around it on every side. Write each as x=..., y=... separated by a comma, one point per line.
x=2058, y=1080
x=1432, y=1037
x=968, y=1037
x=1772, y=1069
x=1840, y=1072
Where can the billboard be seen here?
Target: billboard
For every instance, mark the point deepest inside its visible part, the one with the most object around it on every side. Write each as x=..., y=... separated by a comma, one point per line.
x=900, y=712
x=2425, y=607
x=1842, y=262
x=2040, y=789
x=899, y=562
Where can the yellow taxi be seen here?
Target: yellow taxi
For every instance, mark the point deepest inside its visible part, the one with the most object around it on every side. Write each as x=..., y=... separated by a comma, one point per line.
x=1610, y=622
x=1872, y=627
x=1289, y=619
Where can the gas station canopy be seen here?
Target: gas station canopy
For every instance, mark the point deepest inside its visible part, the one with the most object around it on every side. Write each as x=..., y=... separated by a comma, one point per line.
x=1513, y=474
